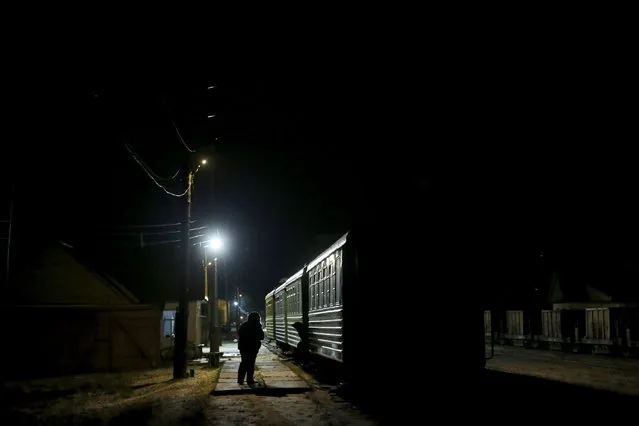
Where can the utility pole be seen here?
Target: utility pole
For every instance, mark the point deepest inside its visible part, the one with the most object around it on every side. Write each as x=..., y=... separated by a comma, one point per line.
x=215, y=330
x=229, y=316
x=237, y=308
x=207, y=296
x=182, y=314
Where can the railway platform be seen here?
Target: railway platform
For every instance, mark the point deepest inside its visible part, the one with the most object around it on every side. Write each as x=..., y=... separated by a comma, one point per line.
x=271, y=375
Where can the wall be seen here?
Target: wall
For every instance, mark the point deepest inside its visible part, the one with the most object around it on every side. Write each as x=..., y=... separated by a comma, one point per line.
x=62, y=340
x=194, y=324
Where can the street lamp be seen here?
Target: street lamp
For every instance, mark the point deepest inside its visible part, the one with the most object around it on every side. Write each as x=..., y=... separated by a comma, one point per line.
x=215, y=245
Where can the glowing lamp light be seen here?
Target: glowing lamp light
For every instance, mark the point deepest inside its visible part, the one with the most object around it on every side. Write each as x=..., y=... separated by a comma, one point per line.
x=216, y=243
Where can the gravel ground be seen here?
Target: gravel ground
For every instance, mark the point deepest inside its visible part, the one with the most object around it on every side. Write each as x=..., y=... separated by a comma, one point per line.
x=598, y=372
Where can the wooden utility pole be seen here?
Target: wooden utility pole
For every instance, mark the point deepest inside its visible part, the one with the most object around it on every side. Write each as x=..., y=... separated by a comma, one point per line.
x=205, y=264
x=213, y=326
x=215, y=315
x=182, y=314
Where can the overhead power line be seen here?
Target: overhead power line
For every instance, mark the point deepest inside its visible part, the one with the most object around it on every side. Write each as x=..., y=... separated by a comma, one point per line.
x=150, y=175
x=168, y=112
x=158, y=225
x=155, y=233
x=149, y=170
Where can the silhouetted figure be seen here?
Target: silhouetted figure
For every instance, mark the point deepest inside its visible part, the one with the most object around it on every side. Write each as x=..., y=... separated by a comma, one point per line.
x=250, y=336
x=301, y=352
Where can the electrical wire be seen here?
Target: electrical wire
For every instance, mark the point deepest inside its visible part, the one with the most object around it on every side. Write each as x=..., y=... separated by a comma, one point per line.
x=157, y=233
x=158, y=225
x=151, y=176
x=168, y=112
x=149, y=170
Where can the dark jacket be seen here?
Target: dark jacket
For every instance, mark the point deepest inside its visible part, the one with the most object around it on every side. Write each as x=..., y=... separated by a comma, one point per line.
x=250, y=336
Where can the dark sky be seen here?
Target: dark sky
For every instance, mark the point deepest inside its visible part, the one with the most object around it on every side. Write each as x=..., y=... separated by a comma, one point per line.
x=540, y=150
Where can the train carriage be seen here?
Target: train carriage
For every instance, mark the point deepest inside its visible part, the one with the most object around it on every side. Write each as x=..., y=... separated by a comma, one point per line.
x=325, y=316
x=269, y=302
x=348, y=295
x=293, y=308
x=280, y=315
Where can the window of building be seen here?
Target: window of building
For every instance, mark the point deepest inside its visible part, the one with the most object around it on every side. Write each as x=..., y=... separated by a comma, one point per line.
x=168, y=323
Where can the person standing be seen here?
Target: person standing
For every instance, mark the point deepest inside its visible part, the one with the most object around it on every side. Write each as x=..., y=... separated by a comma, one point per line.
x=301, y=352
x=250, y=336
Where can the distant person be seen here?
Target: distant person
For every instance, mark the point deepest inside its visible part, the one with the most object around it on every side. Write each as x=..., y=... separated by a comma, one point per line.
x=249, y=341
x=302, y=350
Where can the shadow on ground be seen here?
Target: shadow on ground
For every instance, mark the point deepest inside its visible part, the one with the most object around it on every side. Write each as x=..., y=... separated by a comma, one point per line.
x=493, y=395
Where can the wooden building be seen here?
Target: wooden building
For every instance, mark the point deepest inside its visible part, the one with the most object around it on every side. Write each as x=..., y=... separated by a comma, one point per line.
x=68, y=318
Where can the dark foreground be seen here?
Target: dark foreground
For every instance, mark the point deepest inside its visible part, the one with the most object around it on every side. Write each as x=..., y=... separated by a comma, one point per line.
x=493, y=396
x=496, y=395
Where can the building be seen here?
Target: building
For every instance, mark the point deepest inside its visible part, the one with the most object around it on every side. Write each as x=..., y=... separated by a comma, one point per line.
x=610, y=287
x=70, y=319
x=197, y=325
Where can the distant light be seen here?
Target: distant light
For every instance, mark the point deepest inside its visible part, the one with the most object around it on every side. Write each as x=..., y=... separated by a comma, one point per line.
x=240, y=295
x=211, y=116
x=212, y=87
x=204, y=161
x=235, y=303
x=241, y=317
x=210, y=263
x=206, y=298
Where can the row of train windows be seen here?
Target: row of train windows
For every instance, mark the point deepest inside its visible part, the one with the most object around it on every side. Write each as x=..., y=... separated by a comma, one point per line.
x=294, y=300
x=323, y=285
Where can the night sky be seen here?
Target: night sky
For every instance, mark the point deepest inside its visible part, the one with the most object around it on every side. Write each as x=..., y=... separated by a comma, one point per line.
x=539, y=154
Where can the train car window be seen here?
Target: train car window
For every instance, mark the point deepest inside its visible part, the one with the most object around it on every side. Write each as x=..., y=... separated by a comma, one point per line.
x=311, y=286
x=339, y=275
x=297, y=299
x=312, y=294
x=316, y=298
x=333, y=287
x=319, y=289
x=324, y=289
x=329, y=289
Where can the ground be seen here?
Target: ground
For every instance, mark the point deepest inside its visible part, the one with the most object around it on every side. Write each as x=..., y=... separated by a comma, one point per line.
x=153, y=398
x=613, y=374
